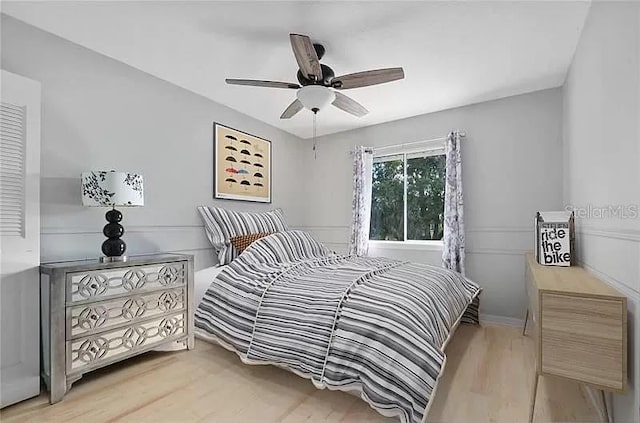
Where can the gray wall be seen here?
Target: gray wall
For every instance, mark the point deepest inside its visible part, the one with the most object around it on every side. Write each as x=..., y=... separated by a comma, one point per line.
x=512, y=158
x=602, y=162
x=98, y=113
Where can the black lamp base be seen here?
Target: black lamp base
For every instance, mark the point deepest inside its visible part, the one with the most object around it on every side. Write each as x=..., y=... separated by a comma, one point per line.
x=113, y=248
x=114, y=259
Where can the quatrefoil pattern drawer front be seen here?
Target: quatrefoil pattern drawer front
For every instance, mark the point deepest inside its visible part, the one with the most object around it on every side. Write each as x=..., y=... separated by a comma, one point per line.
x=100, y=284
x=96, y=349
x=103, y=315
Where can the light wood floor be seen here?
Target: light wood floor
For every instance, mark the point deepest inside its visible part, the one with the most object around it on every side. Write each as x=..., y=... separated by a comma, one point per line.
x=487, y=379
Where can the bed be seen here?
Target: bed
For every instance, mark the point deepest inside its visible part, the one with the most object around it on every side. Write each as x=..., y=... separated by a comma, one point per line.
x=373, y=326
x=202, y=281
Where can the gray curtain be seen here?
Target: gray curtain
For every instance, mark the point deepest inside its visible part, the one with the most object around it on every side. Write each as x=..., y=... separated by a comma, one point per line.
x=453, y=239
x=361, y=203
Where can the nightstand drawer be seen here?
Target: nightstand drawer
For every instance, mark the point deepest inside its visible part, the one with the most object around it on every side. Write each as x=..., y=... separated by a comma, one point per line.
x=583, y=339
x=100, y=316
x=95, y=351
x=103, y=284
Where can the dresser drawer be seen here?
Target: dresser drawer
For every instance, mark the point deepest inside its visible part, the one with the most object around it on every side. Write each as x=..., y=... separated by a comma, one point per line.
x=103, y=284
x=94, y=317
x=85, y=354
x=583, y=339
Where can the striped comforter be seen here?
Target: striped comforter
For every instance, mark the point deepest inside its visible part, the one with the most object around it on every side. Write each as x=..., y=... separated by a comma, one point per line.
x=374, y=325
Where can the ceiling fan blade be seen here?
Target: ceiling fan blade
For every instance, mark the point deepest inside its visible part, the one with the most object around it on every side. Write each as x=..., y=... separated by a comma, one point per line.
x=293, y=108
x=258, y=83
x=366, y=78
x=306, y=56
x=349, y=105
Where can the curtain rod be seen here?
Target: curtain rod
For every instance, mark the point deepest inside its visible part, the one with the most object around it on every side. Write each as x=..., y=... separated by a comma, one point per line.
x=385, y=147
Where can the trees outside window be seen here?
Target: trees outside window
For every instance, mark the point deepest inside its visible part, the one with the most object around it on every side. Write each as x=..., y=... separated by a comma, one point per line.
x=407, y=201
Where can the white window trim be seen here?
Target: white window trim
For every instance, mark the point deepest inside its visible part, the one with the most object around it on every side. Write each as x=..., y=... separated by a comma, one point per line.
x=413, y=147
x=427, y=245
x=431, y=148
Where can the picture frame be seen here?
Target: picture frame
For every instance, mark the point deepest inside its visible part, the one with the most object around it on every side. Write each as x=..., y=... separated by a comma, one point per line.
x=241, y=165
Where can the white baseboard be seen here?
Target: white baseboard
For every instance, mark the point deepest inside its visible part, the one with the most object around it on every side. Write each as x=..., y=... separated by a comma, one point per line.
x=501, y=320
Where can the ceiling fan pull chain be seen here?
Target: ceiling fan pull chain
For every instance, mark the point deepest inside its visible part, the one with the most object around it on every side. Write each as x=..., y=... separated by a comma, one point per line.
x=315, y=153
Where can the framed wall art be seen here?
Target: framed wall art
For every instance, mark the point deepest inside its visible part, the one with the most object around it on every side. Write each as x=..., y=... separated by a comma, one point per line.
x=242, y=165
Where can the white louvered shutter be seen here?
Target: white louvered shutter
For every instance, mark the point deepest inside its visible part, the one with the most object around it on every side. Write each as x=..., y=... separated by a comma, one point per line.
x=20, y=114
x=12, y=169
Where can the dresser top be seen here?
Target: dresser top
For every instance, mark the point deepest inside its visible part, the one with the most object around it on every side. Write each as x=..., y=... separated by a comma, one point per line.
x=573, y=280
x=89, y=264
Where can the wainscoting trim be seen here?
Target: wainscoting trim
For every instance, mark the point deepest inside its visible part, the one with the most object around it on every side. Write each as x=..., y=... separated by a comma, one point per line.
x=501, y=229
x=615, y=233
x=498, y=252
x=319, y=228
x=472, y=229
x=128, y=229
x=619, y=285
x=80, y=243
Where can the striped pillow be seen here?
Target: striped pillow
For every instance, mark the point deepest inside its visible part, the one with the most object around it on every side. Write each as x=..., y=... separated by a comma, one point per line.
x=221, y=225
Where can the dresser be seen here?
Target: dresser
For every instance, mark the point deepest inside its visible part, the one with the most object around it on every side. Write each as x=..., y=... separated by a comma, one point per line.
x=94, y=314
x=579, y=324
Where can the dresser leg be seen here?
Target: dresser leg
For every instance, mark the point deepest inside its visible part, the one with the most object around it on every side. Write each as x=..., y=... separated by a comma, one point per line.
x=190, y=341
x=526, y=319
x=57, y=391
x=534, y=392
x=606, y=407
x=57, y=354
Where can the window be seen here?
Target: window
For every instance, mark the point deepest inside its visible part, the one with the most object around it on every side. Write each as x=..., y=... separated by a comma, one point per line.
x=407, y=196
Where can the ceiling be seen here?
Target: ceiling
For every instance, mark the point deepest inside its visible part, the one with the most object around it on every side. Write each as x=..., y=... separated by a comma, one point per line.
x=453, y=53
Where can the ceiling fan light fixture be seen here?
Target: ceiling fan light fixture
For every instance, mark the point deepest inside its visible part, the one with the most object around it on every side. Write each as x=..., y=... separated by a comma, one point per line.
x=315, y=97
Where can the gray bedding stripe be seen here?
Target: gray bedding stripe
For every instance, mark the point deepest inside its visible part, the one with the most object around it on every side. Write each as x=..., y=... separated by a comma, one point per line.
x=297, y=314
x=344, y=321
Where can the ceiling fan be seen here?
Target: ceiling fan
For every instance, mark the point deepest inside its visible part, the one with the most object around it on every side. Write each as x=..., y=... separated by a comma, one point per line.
x=318, y=86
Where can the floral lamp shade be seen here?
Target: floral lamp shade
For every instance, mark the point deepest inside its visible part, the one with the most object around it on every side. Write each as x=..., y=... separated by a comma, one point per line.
x=110, y=189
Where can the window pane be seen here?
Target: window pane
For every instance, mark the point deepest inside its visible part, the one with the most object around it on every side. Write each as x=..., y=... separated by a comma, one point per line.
x=387, y=199
x=425, y=197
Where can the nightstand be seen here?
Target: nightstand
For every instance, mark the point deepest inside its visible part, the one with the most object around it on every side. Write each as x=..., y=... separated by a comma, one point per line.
x=94, y=314
x=579, y=326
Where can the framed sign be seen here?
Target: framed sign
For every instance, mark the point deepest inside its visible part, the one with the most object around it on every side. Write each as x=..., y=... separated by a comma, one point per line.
x=242, y=165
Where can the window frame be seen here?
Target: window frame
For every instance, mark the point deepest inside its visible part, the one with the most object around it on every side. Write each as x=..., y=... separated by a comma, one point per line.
x=429, y=148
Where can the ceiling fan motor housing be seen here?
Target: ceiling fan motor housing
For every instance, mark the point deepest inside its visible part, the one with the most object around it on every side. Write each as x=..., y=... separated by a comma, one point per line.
x=327, y=77
x=319, y=48
x=327, y=73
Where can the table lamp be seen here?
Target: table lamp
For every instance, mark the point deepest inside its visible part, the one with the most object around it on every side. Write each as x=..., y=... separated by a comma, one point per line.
x=112, y=189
